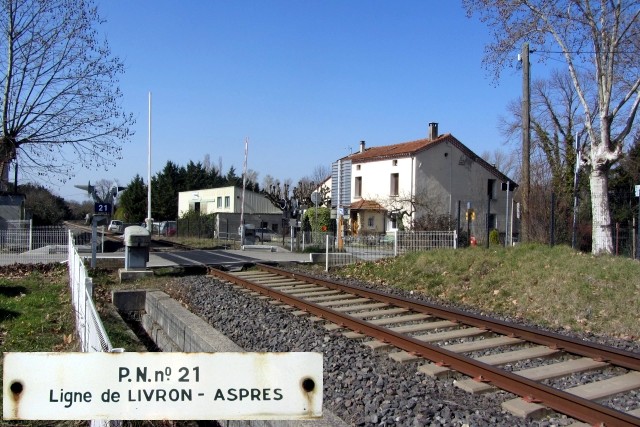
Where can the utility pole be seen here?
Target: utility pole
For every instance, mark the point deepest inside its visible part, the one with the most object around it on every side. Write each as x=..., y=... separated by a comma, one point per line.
x=526, y=143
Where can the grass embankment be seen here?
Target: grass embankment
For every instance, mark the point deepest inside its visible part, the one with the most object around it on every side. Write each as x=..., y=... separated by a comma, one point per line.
x=557, y=287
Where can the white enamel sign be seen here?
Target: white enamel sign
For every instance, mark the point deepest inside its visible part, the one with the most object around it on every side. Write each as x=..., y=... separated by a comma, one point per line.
x=154, y=386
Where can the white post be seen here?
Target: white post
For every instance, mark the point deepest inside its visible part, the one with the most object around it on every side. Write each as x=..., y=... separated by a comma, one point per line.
x=149, y=220
x=395, y=242
x=291, y=229
x=244, y=183
x=30, y=234
x=511, y=228
x=326, y=252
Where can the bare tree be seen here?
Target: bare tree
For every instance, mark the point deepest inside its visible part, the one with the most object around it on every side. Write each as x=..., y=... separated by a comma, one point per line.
x=599, y=36
x=269, y=181
x=556, y=123
x=60, y=100
x=320, y=174
x=418, y=211
x=103, y=188
x=504, y=162
x=252, y=178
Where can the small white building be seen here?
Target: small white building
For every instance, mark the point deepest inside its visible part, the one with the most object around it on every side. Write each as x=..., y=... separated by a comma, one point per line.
x=226, y=204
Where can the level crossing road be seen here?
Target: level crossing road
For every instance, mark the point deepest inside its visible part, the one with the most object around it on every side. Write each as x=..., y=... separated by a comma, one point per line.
x=209, y=258
x=227, y=259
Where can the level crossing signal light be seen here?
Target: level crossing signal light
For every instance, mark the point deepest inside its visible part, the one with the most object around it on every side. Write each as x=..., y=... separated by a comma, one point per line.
x=470, y=215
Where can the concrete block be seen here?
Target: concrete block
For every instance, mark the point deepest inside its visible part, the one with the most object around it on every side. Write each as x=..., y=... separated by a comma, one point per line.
x=403, y=356
x=474, y=387
x=133, y=300
x=131, y=275
x=435, y=371
x=526, y=410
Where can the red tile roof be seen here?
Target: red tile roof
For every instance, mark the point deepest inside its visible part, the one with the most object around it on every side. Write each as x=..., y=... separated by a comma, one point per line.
x=367, y=205
x=407, y=149
x=396, y=150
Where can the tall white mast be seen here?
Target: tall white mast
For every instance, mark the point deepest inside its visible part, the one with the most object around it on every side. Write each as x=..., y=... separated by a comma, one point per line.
x=244, y=184
x=149, y=220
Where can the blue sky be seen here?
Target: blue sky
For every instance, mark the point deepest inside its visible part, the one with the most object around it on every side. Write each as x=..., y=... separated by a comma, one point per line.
x=304, y=81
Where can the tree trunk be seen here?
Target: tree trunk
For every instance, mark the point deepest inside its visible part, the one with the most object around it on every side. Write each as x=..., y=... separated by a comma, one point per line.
x=602, y=241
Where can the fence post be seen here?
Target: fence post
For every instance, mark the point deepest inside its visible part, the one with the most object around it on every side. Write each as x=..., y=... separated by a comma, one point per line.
x=458, y=221
x=395, y=242
x=326, y=257
x=30, y=234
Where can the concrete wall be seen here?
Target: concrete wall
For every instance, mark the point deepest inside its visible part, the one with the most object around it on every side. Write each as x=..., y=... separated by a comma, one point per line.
x=445, y=175
x=174, y=328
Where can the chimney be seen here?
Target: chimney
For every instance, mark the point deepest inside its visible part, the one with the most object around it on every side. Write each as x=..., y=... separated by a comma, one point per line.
x=362, y=146
x=433, y=130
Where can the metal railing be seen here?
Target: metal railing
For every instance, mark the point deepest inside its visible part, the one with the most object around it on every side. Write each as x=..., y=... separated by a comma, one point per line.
x=26, y=244
x=91, y=332
x=372, y=247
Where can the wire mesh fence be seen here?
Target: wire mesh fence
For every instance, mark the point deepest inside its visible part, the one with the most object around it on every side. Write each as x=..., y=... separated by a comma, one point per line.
x=334, y=251
x=25, y=244
x=91, y=332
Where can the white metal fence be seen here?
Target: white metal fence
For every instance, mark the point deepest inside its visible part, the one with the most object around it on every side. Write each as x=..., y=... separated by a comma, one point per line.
x=23, y=243
x=373, y=247
x=91, y=332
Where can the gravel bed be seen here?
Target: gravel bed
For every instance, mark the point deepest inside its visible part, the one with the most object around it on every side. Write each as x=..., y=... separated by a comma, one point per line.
x=362, y=387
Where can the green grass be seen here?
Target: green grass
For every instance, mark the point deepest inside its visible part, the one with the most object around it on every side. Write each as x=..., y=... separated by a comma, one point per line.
x=36, y=315
x=557, y=287
x=34, y=311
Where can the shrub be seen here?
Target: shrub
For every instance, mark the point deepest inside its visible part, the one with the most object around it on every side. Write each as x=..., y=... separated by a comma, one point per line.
x=494, y=237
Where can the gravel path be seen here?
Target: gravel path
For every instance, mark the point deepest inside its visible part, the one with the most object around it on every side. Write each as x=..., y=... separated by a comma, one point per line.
x=362, y=387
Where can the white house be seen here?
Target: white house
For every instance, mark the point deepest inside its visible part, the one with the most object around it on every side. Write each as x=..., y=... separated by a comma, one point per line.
x=226, y=204
x=434, y=176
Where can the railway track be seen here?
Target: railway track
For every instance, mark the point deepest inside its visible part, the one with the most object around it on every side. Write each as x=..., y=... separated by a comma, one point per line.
x=485, y=349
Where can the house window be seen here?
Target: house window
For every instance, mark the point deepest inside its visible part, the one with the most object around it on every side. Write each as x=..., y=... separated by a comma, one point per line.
x=394, y=162
x=196, y=207
x=358, y=189
x=371, y=222
x=394, y=221
x=357, y=167
x=227, y=201
x=491, y=188
x=219, y=202
x=394, y=184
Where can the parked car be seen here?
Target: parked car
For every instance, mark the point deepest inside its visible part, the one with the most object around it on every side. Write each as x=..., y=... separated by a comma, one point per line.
x=265, y=235
x=168, y=228
x=116, y=226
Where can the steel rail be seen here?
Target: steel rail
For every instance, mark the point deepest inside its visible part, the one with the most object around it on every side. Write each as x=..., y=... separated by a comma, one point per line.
x=599, y=352
x=559, y=400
